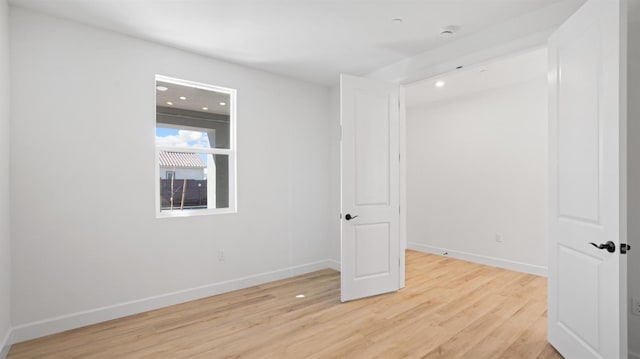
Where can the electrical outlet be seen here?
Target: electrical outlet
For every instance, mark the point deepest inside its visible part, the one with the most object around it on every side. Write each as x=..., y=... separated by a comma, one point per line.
x=220, y=256
x=635, y=302
x=499, y=237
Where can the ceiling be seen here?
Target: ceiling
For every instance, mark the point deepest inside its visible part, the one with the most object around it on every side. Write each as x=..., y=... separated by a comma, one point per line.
x=500, y=72
x=191, y=98
x=313, y=40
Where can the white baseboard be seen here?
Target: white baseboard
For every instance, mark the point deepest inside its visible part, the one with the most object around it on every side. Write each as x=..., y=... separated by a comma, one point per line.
x=5, y=344
x=333, y=264
x=633, y=355
x=63, y=323
x=481, y=259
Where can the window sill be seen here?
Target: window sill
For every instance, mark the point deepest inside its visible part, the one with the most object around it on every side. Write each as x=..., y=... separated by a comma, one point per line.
x=194, y=213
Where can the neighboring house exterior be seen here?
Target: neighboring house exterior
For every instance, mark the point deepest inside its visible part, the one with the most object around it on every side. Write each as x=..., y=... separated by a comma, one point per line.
x=181, y=165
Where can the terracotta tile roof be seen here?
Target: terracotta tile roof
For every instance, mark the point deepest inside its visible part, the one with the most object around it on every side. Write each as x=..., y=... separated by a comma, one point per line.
x=180, y=159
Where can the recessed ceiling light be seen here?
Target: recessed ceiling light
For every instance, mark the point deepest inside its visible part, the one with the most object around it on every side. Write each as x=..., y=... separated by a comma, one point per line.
x=162, y=88
x=440, y=83
x=183, y=98
x=223, y=103
x=169, y=103
x=205, y=108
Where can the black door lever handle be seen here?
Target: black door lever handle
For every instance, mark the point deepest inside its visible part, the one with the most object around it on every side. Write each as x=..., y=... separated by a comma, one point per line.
x=609, y=246
x=349, y=217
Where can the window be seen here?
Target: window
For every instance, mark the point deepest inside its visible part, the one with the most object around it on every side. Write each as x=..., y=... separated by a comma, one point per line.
x=195, y=148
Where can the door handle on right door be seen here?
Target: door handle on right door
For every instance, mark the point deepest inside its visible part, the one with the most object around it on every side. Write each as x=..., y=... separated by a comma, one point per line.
x=609, y=246
x=349, y=217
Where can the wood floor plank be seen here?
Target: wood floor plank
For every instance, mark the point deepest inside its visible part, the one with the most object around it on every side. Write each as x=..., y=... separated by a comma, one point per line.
x=531, y=343
x=449, y=309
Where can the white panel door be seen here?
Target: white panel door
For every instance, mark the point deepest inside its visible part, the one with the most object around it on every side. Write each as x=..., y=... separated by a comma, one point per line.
x=587, y=284
x=370, y=260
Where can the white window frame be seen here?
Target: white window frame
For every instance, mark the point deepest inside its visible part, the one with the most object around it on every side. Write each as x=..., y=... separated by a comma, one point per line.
x=231, y=152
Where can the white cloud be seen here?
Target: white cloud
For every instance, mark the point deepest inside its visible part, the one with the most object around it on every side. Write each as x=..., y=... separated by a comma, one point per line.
x=184, y=138
x=191, y=135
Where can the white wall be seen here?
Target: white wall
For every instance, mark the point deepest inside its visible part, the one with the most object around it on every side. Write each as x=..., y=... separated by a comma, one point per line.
x=477, y=166
x=335, y=129
x=633, y=181
x=183, y=173
x=5, y=258
x=83, y=99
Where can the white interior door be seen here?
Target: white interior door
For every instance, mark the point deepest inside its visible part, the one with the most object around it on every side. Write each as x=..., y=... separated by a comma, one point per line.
x=370, y=259
x=587, y=285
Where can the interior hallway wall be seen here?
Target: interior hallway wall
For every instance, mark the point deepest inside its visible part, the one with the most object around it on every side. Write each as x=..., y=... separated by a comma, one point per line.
x=5, y=233
x=477, y=176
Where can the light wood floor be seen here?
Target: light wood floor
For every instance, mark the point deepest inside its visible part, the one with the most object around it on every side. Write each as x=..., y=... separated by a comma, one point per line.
x=449, y=309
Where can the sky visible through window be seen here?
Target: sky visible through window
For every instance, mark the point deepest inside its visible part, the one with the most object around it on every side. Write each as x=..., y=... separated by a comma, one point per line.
x=173, y=137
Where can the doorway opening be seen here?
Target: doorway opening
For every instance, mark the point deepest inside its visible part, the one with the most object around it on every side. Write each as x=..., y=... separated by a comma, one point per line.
x=477, y=161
